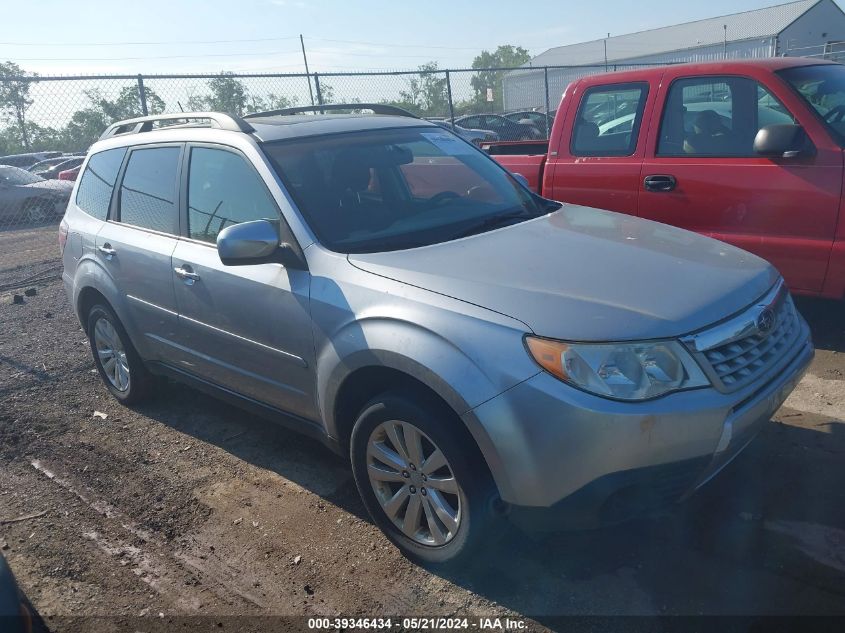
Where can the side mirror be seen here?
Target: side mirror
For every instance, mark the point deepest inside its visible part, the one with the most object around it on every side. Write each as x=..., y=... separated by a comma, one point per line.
x=781, y=141
x=256, y=242
x=521, y=180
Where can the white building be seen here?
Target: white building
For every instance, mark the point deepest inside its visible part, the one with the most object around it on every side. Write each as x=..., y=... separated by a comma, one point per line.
x=804, y=28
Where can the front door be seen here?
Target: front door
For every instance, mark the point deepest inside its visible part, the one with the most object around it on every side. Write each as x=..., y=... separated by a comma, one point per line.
x=246, y=328
x=700, y=173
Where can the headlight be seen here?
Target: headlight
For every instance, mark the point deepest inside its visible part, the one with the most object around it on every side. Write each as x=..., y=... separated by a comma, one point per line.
x=625, y=371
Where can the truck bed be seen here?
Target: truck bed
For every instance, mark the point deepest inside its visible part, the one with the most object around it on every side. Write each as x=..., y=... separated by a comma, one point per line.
x=521, y=157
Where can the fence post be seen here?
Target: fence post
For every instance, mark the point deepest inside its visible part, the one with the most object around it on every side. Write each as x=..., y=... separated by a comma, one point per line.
x=546, y=82
x=317, y=87
x=451, y=105
x=142, y=95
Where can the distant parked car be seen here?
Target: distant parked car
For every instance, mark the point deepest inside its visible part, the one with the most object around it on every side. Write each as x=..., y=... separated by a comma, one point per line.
x=506, y=129
x=15, y=614
x=70, y=174
x=26, y=197
x=44, y=165
x=476, y=137
x=26, y=161
x=52, y=171
x=540, y=120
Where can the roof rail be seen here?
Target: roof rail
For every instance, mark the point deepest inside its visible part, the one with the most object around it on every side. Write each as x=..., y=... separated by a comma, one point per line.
x=377, y=108
x=145, y=123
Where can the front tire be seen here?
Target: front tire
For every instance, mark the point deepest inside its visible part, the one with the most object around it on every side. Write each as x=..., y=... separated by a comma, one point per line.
x=38, y=211
x=421, y=478
x=121, y=369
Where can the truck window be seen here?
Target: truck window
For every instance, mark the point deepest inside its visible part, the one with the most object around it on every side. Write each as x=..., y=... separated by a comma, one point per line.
x=608, y=120
x=822, y=86
x=717, y=116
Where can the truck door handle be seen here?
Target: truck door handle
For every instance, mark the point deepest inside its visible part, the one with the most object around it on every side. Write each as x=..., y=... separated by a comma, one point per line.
x=107, y=250
x=188, y=275
x=659, y=183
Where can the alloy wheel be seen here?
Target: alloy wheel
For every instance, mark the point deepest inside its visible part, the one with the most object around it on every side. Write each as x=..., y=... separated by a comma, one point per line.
x=111, y=354
x=414, y=483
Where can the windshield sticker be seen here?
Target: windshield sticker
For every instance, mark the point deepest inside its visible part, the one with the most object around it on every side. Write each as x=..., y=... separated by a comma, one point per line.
x=450, y=145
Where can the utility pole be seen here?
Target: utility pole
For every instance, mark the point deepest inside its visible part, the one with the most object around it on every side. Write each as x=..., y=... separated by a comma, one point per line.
x=307, y=72
x=725, y=26
x=605, y=52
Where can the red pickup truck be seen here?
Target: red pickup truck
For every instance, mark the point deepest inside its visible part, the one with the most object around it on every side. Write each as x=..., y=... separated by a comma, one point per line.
x=749, y=152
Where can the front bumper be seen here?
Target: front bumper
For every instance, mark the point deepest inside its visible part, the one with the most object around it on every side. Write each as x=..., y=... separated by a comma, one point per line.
x=550, y=446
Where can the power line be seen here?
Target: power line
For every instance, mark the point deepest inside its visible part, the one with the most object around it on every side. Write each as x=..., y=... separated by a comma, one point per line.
x=48, y=44
x=115, y=59
x=260, y=39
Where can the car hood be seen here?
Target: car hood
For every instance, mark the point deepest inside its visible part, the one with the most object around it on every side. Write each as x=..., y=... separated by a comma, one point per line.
x=583, y=274
x=58, y=187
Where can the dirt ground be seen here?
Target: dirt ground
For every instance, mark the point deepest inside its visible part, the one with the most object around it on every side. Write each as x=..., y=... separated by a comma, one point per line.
x=186, y=506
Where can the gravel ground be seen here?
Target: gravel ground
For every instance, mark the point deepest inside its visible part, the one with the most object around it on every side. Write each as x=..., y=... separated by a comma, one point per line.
x=186, y=506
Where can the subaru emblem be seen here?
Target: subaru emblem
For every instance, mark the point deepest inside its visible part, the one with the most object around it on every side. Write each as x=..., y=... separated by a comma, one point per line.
x=766, y=321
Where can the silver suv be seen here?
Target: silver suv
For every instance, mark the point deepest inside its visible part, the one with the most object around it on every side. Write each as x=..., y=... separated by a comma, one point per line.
x=378, y=283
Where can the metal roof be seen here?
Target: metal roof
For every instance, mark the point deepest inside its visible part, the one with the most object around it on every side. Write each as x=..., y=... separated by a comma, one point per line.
x=759, y=23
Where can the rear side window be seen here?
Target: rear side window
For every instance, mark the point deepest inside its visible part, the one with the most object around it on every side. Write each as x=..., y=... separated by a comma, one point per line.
x=95, y=187
x=148, y=191
x=608, y=120
x=223, y=189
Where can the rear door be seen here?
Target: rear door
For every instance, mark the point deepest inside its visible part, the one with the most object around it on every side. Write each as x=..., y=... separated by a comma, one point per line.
x=701, y=173
x=135, y=245
x=246, y=328
x=598, y=162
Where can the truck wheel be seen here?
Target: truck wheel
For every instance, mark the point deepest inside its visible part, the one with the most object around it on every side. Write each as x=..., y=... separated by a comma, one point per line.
x=122, y=370
x=420, y=481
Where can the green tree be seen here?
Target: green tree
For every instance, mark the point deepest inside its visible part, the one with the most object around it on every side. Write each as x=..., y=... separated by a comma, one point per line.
x=426, y=94
x=505, y=56
x=86, y=125
x=272, y=101
x=326, y=92
x=15, y=99
x=226, y=94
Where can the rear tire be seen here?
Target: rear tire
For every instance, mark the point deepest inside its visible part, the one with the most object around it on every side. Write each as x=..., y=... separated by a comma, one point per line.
x=440, y=511
x=119, y=365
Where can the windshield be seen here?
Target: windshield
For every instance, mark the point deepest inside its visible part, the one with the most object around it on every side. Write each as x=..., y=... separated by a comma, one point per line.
x=14, y=176
x=391, y=189
x=823, y=87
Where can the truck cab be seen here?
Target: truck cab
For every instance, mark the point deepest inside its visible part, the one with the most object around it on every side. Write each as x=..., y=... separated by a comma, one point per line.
x=748, y=152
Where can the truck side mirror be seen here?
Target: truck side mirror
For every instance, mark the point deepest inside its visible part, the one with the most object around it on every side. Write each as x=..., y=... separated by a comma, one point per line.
x=781, y=141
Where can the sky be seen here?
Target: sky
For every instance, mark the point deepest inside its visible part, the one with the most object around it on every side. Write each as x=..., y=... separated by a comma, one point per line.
x=204, y=36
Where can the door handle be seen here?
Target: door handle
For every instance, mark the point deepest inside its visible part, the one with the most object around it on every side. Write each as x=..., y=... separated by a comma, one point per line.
x=188, y=275
x=107, y=250
x=660, y=183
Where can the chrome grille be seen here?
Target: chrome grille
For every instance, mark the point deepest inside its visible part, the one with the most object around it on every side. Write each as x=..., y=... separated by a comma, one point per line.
x=745, y=353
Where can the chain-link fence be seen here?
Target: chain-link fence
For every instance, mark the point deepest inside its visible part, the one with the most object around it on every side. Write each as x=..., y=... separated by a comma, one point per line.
x=48, y=123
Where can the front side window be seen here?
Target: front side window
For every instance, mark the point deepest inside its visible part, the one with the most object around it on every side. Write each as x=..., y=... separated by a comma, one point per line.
x=608, y=120
x=95, y=187
x=224, y=190
x=148, y=190
x=392, y=189
x=823, y=88
x=717, y=116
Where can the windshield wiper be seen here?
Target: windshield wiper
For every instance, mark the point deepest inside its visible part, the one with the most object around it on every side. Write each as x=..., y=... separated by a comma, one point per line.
x=497, y=221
